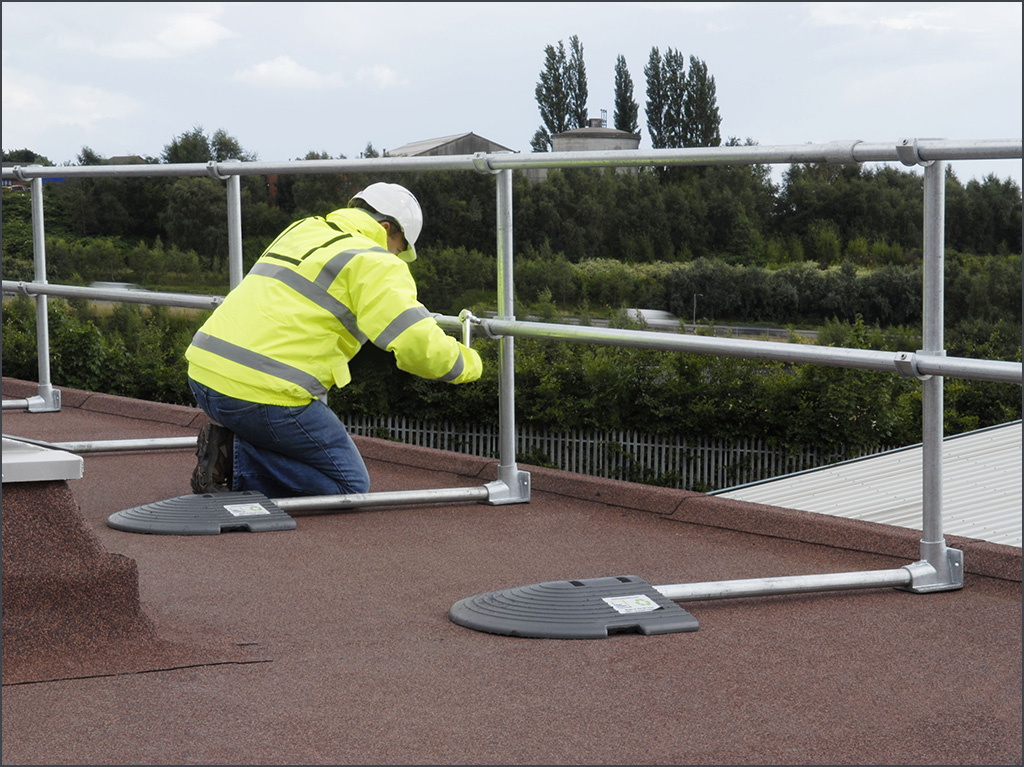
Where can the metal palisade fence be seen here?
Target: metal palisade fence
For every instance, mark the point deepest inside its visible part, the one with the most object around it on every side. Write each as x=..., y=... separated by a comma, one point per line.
x=688, y=463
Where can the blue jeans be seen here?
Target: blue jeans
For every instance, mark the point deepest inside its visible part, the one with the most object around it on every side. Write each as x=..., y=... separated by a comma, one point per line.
x=284, y=452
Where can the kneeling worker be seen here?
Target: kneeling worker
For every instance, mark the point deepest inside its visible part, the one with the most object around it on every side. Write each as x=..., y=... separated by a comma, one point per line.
x=262, y=364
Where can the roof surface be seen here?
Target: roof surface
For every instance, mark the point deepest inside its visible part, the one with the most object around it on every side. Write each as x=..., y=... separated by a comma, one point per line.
x=331, y=643
x=426, y=145
x=981, y=473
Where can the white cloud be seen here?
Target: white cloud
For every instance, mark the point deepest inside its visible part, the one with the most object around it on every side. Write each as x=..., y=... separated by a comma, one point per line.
x=143, y=31
x=690, y=9
x=901, y=91
x=978, y=22
x=380, y=75
x=192, y=31
x=284, y=72
x=34, y=104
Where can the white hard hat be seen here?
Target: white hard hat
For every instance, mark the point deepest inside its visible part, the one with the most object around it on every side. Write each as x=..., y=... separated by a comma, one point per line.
x=397, y=202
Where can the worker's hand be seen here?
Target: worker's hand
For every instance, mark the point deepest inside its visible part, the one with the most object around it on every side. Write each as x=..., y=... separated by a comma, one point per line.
x=474, y=366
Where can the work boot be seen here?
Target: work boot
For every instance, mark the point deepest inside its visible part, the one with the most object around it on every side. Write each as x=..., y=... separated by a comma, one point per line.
x=214, y=450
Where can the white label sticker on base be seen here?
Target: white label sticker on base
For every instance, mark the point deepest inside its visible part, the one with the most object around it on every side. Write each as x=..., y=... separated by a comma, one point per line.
x=634, y=604
x=246, y=509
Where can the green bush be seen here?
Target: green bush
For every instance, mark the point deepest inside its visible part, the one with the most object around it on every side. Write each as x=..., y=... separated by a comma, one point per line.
x=133, y=351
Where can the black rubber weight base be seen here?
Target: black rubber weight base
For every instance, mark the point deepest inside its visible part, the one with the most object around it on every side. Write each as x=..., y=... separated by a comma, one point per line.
x=580, y=609
x=207, y=514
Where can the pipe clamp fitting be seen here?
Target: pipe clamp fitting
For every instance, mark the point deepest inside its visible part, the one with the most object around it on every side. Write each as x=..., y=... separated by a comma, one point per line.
x=211, y=168
x=482, y=164
x=906, y=366
x=910, y=154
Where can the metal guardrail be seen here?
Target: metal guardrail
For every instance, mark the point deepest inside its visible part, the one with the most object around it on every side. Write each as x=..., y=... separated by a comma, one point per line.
x=940, y=568
x=909, y=364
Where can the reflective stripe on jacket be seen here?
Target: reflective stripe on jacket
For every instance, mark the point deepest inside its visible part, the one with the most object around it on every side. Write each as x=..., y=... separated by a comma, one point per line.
x=325, y=286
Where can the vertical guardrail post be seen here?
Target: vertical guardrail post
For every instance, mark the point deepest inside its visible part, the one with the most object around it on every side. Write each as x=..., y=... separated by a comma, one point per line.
x=234, y=184
x=516, y=483
x=47, y=400
x=234, y=214
x=947, y=563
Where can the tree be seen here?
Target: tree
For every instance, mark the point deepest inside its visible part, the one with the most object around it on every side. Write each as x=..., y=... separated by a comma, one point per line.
x=552, y=91
x=113, y=207
x=626, y=109
x=700, y=108
x=682, y=109
x=195, y=146
x=25, y=157
x=673, y=78
x=561, y=93
x=655, y=106
x=666, y=90
x=88, y=157
x=194, y=219
x=313, y=194
x=541, y=140
x=190, y=147
x=576, y=83
x=224, y=147
x=995, y=213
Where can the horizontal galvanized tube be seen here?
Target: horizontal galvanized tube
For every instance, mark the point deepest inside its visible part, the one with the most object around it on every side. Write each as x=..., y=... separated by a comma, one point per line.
x=864, y=359
x=793, y=584
x=309, y=504
x=110, y=445
x=923, y=150
x=837, y=152
x=116, y=445
x=953, y=367
x=963, y=367
x=188, y=300
x=224, y=170
x=326, y=503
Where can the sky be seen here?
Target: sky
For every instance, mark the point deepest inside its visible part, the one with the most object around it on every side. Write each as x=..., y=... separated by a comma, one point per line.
x=285, y=79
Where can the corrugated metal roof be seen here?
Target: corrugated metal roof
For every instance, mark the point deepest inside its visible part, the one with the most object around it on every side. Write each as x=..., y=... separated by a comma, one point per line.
x=418, y=147
x=981, y=479
x=463, y=143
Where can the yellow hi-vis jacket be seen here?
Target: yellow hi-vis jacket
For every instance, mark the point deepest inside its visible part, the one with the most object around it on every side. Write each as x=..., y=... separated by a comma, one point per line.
x=325, y=286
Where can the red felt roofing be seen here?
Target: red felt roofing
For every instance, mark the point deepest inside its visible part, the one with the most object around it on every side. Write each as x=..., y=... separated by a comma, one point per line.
x=331, y=643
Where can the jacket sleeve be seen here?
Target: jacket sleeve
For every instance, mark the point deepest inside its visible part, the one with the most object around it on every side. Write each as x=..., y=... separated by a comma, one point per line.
x=383, y=296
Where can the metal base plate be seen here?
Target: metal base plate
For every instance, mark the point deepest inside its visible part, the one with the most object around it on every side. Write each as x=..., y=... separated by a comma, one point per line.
x=207, y=514
x=578, y=609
